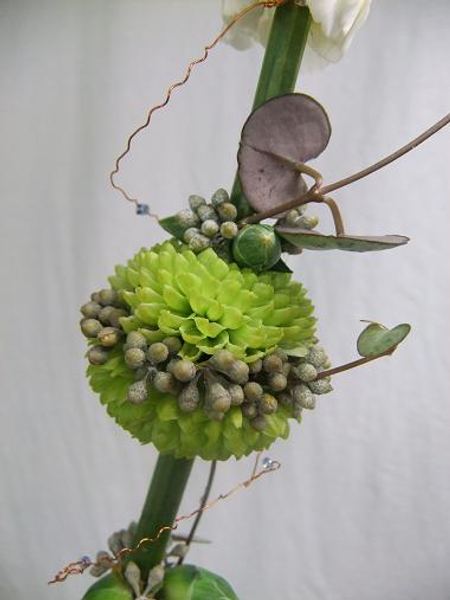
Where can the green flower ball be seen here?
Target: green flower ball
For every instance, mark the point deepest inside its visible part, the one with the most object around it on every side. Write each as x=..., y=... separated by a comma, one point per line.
x=209, y=305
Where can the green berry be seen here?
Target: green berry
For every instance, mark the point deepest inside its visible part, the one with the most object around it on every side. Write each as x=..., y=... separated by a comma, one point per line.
x=183, y=370
x=229, y=230
x=165, y=383
x=236, y=394
x=187, y=218
x=305, y=372
x=136, y=340
x=91, y=310
x=272, y=364
x=238, y=372
x=253, y=391
x=227, y=211
x=217, y=397
x=157, y=353
x=189, y=398
x=115, y=316
x=210, y=228
x=95, y=297
x=109, y=336
x=291, y=217
x=108, y=297
x=219, y=197
x=173, y=344
x=137, y=392
x=134, y=358
x=304, y=397
x=259, y=422
x=320, y=386
x=277, y=382
x=97, y=355
x=268, y=404
x=190, y=233
x=196, y=201
x=255, y=367
x=222, y=360
x=207, y=213
x=198, y=243
x=249, y=410
x=90, y=327
x=105, y=314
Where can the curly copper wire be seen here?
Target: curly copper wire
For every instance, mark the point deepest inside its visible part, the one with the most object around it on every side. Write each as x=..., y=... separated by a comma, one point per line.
x=114, y=561
x=210, y=46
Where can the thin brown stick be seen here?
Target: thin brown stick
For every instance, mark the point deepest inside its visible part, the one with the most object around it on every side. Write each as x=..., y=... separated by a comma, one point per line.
x=336, y=214
x=315, y=194
x=350, y=365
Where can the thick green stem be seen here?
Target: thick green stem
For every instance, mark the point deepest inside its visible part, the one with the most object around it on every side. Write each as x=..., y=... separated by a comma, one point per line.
x=160, y=509
x=280, y=68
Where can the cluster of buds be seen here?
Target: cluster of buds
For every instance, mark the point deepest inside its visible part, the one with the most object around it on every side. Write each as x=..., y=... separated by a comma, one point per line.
x=296, y=217
x=208, y=224
x=101, y=323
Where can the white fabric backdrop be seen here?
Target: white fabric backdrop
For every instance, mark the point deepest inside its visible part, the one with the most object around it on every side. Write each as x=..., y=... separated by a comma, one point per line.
x=360, y=508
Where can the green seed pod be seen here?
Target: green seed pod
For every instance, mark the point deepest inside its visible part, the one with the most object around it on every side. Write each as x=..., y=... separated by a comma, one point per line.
x=108, y=297
x=189, y=398
x=90, y=327
x=173, y=344
x=320, y=386
x=272, y=363
x=105, y=314
x=305, y=372
x=249, y=410
x=190, y=233
x=210, y=228
x=257, y=247
x=207, y=212
x=253, y=391
x=259, y=422
x=136, y=340
x=187, y=218
x=316, y=356
x=183, y=370
x=97, y=355
x=219, y=197
x=165, y=383
x=255, y=367
x=304, y=397
x=157, y=353
x=236, y=394
x=227, y=211
x=222, y=360
x=109, y=336
x=134, y=357
x=229, y=230
x=116, y=315
x=277, y=382
x=238, y=372
x=290, y=217
x=268, y=404
x=137, y=392
x=91, y=310
x=307, y=222
x=198, y=243
x=196, y=201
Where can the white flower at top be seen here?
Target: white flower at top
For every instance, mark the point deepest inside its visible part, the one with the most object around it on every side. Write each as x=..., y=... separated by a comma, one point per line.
x=334, y=25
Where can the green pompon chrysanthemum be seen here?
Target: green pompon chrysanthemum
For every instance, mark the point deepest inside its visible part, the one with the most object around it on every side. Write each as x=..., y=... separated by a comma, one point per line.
x=210, y=305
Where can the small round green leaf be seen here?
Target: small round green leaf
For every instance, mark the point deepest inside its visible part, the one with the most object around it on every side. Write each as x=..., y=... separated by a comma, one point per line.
x=313, y=240
x=188, y=582
x=376, y=340
x=109, y=587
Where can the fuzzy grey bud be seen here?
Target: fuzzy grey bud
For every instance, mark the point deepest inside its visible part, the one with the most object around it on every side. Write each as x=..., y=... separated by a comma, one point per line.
x=320, y=386
x=210, y=228
x=277, y=382
x=187, y=218
x=198, y=243
x=305, y=372
x=136, y=340
x=157, y=353
x=91, y=310
x=97, y=355
x=173, y=344
x=115, y=316
x=105, y=314
x=272, y=363
x=90, y=327
x=268, y=404
x=189, y=398
x=222, y=360
x=183, y=370
x=236, y=394
x=137, y=392
x=229, y=230
x=108, y=297
x=316, y=356
x=134, y=357
x=227, y=211
x=196, y=201
x=253, y=391
x=304, y=397
x=258, y=422
x=206, y=213
x=249, y=410
x=165, y=383
x=255, y=367
x=109, y=336
x=217, y=397
x=219, y=197
x=238, y=372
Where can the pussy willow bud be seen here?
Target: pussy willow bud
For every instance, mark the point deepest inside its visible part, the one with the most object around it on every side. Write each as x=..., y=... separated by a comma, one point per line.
x=115, y=316
x=109, y=336
x=195, y=201
x=258, y=422
x=187, y=218
x=253, y=391
x=97, y=355
x=183, y=370
x=219, y=197
x=222, y=360
x=137, y=392
x=198, y=243
x=190, y=233
x=268, y=404
x=207, y=212
x=95, y=297
x=229, y=230
x=320, y=386
x=134, y=357
x=236, y=394
x=91, y=310
x=238, y=372
x=249, y=410
x=272, y=363
x=304, y=397
x=90, y=327
x=136, y=340
x=305, y=372
x=189, y=398
x=307, y=222
x=277, y=382
x=165, y=383
x=157, y=353
x=291, y=217
x=210, y=228
x=108, y=297
x=227, y=211
x=316, y=356
x=173, y=344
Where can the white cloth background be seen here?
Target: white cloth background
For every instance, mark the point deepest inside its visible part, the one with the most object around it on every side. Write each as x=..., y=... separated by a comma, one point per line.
x=360, y=508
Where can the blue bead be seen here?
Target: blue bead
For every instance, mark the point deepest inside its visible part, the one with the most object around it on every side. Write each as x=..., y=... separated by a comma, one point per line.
x=85, y=560
x=142, y=209
x=267, y=463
